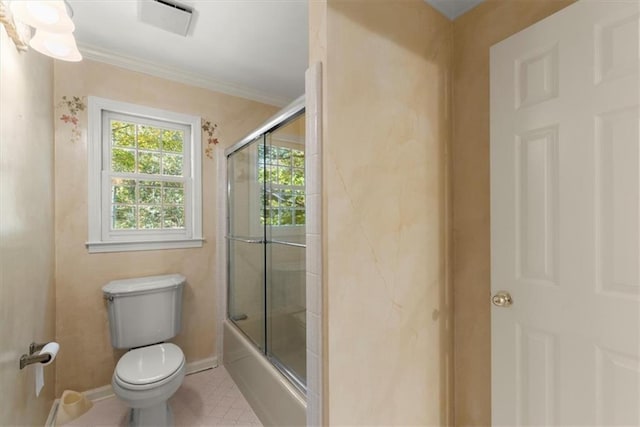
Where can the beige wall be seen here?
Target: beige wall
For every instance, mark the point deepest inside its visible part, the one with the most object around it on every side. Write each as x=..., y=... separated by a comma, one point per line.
x=26, y=230
x=87, y=360
x=474, y=33
x=386, y=128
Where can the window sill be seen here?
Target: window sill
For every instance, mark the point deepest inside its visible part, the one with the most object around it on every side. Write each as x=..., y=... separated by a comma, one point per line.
x=101, y=247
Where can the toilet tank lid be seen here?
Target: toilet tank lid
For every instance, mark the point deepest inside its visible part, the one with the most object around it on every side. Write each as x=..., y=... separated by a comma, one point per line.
x=142, y=284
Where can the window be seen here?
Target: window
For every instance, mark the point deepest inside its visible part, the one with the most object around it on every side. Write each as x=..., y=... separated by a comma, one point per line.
x=281, y=170
x=144, y=178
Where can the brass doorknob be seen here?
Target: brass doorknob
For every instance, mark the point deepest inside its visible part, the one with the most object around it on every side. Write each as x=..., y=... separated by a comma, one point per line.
x=502, y=299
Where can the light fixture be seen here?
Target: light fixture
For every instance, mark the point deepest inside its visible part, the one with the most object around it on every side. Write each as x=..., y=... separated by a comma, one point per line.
x=18, y=32
x=53, y=26
x=56, y=45
x=50, y=15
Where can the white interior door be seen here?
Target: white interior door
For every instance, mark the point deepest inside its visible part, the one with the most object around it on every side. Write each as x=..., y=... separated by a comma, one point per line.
x=565, y=219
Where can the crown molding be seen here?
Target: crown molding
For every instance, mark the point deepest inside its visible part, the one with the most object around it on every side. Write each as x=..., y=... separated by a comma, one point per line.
x=160, y=70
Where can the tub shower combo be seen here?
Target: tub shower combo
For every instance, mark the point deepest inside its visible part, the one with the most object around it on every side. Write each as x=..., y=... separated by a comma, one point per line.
x=265, y=330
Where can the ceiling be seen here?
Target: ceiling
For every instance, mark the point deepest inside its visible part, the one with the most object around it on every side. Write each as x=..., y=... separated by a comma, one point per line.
x=454, y=8
x=256, y=49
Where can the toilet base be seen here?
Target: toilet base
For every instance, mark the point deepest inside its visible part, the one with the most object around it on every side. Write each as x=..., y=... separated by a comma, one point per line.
x=159, y=415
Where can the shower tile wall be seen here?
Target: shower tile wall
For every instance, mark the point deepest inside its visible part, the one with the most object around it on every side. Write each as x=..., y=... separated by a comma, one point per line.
x=313, y=165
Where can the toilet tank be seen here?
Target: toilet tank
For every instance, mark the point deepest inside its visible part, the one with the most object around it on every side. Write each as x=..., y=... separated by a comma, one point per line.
x=144, y=310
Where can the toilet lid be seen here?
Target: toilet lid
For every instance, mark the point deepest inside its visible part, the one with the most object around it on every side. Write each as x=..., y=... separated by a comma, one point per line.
x=149, y=364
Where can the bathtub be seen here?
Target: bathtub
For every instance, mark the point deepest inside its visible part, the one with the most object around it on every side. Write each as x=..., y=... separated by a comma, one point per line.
x=273, y=398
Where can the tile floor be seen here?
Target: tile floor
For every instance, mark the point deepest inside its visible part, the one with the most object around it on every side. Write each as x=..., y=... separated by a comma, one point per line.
x=207, y=398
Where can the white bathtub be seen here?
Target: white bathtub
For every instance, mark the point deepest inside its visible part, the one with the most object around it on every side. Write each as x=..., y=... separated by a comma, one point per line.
x=273, y=398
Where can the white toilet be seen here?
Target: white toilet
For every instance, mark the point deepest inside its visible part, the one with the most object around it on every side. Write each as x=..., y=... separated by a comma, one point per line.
x=144, y=312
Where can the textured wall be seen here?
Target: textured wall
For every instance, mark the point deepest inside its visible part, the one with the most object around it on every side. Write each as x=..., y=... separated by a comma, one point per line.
x=87, y=359
x=26, y=229
x=474, y=33
x=386, y=128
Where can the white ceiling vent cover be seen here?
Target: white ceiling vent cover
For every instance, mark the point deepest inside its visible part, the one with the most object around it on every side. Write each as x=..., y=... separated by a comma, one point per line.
x=167, y=15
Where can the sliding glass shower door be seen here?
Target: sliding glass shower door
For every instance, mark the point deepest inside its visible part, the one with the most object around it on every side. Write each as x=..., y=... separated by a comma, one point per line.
x=266, y=245
x=245, y=243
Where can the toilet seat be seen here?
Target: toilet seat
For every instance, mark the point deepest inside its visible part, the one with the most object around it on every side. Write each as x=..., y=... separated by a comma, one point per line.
x=149, y=367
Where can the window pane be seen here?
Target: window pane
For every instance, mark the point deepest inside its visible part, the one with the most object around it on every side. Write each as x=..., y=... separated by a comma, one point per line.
x=268, y=153
x=286, y=218
x=150, y=217
x=298, y=177
x=273, y=200
x=123, y=134
x=150, y=183
x=284, y=176
x=149, y=137
x=172, y=140
x=286, y=197
x=300, y=217
x=123, y=160
x=284, y=156
x=148, y=162
x=174, y=217
x=123, y=217
x=270, y=216
x=173, y=196
x=299, y=199
x=270, y=176
x=172, y=164
x=123, y=193
x=298, y=159
x=150, y=195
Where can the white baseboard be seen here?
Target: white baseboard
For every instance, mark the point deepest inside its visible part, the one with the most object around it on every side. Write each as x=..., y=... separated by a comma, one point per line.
x=202, y=365
x=106, y=391
x=51, y=419
x=99, y=393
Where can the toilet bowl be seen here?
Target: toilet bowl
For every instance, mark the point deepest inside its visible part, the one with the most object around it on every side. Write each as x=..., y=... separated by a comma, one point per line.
x=145, y=378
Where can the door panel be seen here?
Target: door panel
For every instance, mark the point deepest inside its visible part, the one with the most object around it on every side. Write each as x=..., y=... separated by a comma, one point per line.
x=565, y=219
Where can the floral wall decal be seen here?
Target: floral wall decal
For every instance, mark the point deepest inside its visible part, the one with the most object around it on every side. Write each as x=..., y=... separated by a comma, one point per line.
x=73, y=105
x=209, y=129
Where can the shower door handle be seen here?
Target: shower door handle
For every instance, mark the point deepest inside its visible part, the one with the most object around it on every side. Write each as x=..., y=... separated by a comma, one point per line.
x=240, y=239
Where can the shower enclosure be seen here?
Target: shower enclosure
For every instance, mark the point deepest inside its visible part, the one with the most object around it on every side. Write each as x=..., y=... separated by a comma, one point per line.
x=266, y=245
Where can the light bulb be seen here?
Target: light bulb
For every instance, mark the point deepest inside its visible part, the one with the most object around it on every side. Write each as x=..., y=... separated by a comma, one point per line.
x=56, y=45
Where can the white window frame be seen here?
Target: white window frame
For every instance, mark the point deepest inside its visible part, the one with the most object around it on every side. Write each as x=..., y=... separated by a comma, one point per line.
x=101, y=237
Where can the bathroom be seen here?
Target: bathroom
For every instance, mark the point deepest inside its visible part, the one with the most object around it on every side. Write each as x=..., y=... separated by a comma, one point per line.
x=406, y=286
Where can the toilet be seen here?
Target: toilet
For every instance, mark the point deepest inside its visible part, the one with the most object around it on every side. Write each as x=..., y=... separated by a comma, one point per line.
x=143, y=313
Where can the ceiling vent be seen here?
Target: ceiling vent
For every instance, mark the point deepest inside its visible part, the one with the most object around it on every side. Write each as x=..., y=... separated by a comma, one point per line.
x=168, y=15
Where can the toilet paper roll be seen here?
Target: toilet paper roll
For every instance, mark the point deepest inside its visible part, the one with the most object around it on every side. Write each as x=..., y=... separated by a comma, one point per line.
x=52, y=350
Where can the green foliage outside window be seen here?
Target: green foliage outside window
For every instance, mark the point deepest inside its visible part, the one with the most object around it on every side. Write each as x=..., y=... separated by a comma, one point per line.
x=146, y=203
x=281, y=171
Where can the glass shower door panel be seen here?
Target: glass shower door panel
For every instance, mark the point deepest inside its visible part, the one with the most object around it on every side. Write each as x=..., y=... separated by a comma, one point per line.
x=245, y=240
x=285, y=231
x=286, y=310
x=246, y=294
x=245, y=191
